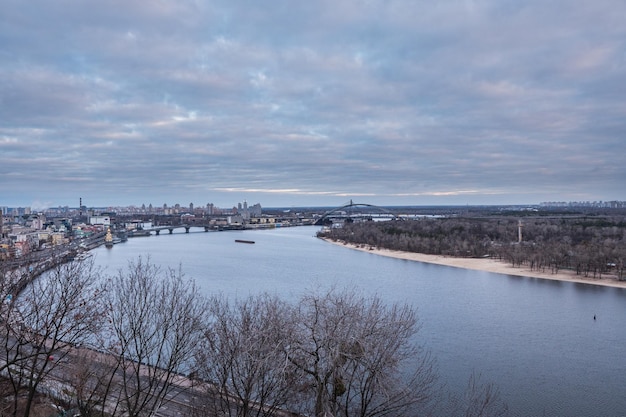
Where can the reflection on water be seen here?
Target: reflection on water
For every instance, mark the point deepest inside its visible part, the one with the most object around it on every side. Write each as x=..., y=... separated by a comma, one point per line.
x=536, y=339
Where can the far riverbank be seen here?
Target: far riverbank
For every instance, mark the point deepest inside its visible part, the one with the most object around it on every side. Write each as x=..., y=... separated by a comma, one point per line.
x=487, y=265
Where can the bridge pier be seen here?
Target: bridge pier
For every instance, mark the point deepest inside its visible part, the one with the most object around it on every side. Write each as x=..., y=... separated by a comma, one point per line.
x=171, y=230
x=157, y=232
x=206, y=228
x=187, y=229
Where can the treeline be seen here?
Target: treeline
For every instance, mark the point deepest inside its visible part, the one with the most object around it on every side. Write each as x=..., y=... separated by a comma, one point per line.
x=145, y=341
x=590, y=246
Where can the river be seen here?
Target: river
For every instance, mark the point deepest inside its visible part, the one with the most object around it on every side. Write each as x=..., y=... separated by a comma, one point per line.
x=537, y=340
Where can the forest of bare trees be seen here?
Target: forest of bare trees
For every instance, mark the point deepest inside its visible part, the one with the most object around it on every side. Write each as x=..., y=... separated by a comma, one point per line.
x=145, y=340
x=590, y=246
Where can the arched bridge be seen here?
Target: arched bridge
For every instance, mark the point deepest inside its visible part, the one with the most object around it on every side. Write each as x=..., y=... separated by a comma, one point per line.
x=351, y=211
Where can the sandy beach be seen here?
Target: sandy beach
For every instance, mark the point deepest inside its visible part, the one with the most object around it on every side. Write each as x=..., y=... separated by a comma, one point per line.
x=488, y=265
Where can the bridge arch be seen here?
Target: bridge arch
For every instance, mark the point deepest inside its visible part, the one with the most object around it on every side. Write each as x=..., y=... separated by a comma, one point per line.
x=326, y=216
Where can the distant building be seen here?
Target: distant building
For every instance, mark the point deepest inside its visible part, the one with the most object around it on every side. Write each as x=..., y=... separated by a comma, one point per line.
x=236, y=220
x=263, y=220
x=100, y=220
x=37, y=221
x=256, y=210
x=24, y=239
x=248, y=212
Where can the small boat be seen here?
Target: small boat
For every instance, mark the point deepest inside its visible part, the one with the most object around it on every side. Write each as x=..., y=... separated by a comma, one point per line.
x=244, y=241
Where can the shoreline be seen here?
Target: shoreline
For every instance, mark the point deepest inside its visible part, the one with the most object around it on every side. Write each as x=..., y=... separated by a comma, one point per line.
x=486, y=265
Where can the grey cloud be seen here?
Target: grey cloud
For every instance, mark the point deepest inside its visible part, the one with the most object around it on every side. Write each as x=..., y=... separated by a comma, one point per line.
x=474, y=98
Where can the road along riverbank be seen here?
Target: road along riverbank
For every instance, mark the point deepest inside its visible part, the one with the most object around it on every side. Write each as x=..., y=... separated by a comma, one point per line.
x=487, y=265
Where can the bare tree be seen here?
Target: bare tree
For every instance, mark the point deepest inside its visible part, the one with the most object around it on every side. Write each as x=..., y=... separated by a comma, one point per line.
x=156, y=319
x=42, y=325
x=243, y=357
x=481, y=399
x=91, y=381
x=359, y=357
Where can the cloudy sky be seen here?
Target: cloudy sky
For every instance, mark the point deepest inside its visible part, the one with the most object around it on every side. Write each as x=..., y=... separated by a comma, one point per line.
x=290, y=103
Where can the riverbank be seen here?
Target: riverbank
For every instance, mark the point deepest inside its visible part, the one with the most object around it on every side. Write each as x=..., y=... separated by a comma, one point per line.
x=487, y=265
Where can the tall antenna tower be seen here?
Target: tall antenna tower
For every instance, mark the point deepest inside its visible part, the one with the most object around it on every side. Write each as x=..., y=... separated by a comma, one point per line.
x=519, y=231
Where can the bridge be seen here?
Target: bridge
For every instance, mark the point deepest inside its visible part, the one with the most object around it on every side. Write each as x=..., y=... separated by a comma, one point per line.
x=356, y=211
x=350, y=211
x=170, y=228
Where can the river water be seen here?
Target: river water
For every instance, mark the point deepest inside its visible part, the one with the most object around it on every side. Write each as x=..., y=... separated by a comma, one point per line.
x=537, y=340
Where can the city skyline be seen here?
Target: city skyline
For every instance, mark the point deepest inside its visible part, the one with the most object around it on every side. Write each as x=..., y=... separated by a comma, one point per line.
x=313, y=104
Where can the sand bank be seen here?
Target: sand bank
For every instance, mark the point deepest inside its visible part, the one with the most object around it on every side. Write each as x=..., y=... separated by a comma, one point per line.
x=488, y=265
